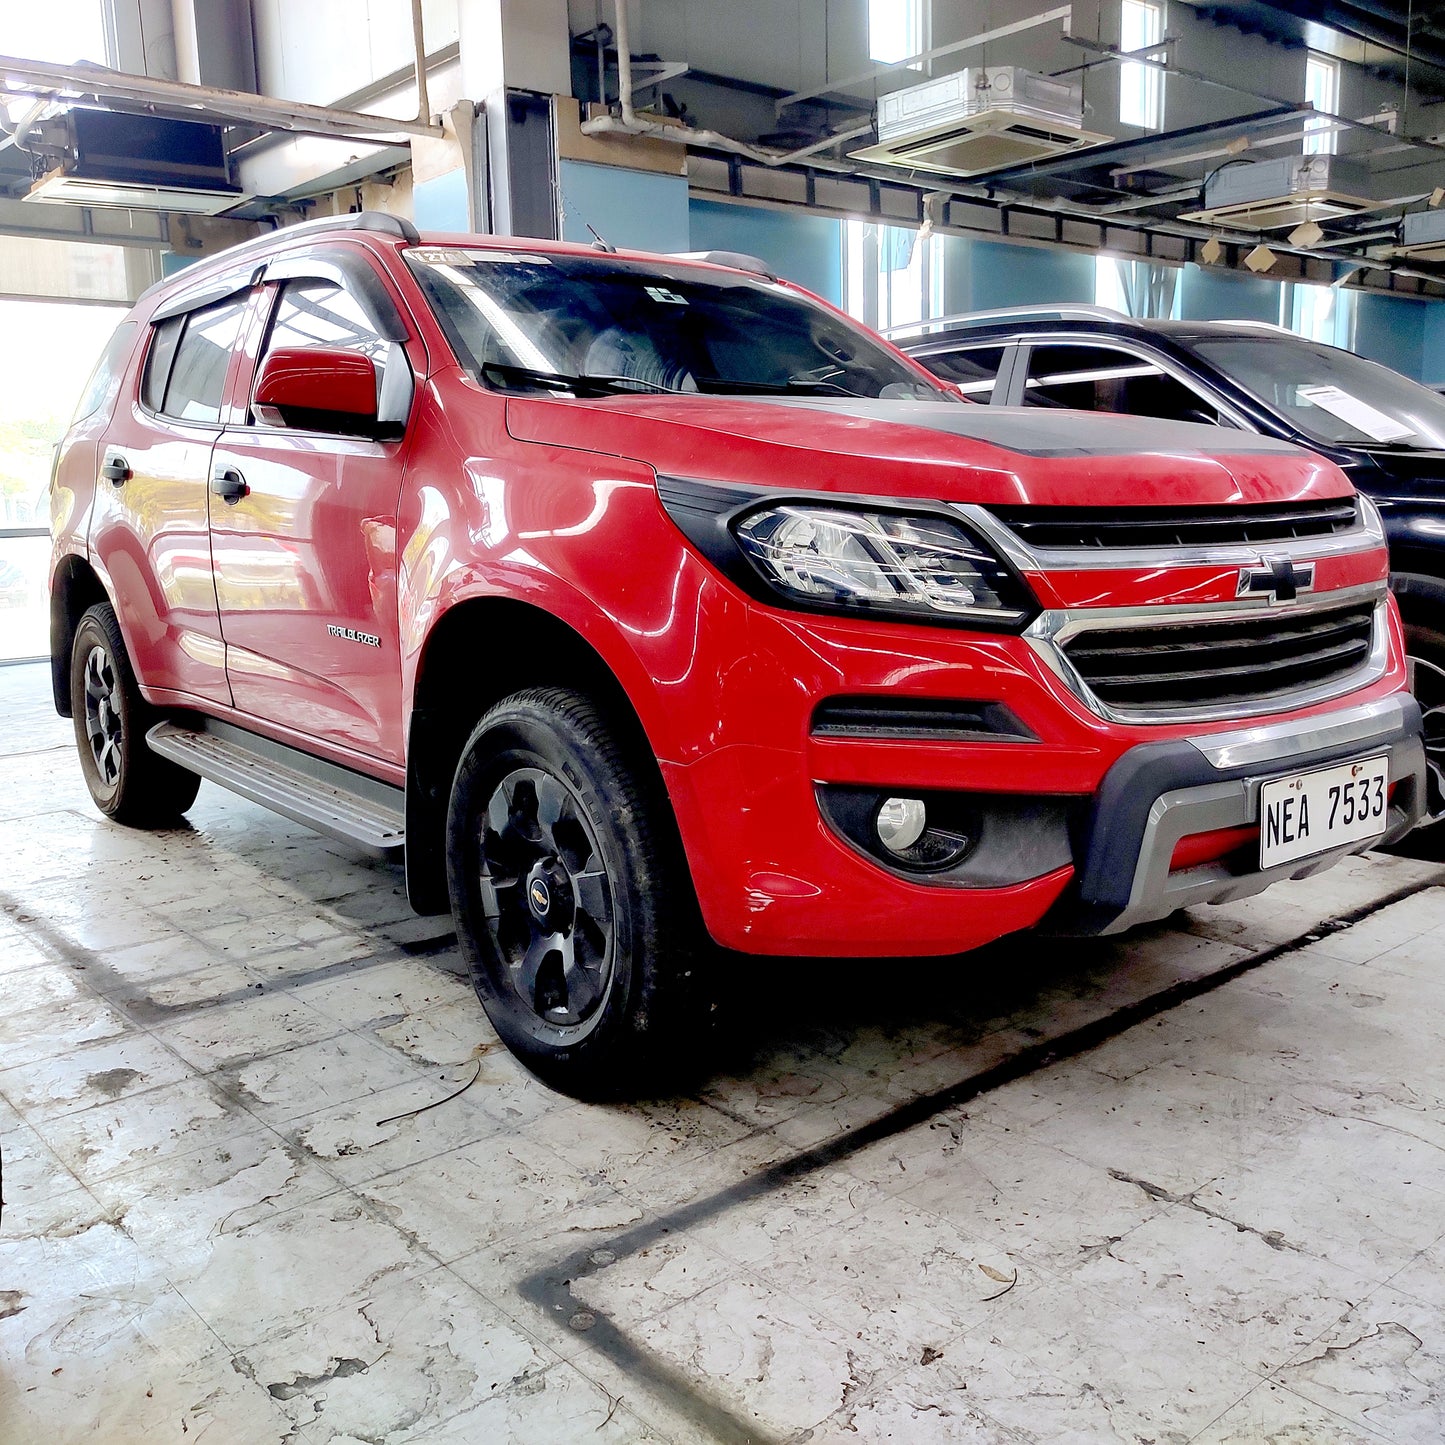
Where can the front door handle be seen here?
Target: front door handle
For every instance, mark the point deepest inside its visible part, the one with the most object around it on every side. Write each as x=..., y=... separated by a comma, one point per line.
x=228, y=484
x=116, y=470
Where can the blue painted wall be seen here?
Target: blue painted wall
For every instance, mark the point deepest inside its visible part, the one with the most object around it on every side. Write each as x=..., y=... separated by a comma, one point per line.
x=440, y=204
x=1391, y=329
x=802, y=248
x=1217, y=295
x=980, y=275
x=1433, y=349
x=632, y=210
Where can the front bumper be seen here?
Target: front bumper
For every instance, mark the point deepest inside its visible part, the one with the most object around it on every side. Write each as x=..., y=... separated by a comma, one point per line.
x=1159, y=793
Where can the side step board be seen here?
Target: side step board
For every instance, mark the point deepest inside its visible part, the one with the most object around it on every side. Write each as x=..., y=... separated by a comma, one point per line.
x=357, y=809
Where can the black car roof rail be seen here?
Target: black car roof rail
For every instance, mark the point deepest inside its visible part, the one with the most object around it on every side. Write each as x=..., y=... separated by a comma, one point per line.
x=737, y=260
x=1061, y=311
x=378, y=222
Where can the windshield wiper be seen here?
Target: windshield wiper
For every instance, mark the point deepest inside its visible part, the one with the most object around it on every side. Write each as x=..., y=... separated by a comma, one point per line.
x=591, y=384
x=793, y=386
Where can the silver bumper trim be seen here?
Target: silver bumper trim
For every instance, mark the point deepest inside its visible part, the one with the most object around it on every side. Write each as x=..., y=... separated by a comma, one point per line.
x=1280, y=742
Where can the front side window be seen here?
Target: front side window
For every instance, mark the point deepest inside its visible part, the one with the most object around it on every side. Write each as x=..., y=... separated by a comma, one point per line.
x=598, y=325
x=1101, y=378
x=321, y=313
x=1141, y=87
x=1329, y=394
x=189, y=357
x=973, y=370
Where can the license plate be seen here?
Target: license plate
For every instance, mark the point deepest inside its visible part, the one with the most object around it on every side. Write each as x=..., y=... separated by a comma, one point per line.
x=1314, y=812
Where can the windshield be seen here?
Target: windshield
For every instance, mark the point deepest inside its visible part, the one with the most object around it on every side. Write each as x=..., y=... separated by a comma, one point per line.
x=1332, y=395
x=599, y=325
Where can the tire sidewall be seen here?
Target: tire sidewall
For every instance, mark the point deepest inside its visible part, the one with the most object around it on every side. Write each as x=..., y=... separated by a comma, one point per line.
x=510, y=737
x=90, y=633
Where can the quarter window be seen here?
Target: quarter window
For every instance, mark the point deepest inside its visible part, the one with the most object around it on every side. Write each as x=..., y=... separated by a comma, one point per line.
x=1099, y=378
x=189, y=357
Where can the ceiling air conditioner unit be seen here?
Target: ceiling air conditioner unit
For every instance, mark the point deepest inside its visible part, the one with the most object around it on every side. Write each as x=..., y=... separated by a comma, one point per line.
x=1273, y=195
x=980, y=119
x=138, y=162
x=1422, y=235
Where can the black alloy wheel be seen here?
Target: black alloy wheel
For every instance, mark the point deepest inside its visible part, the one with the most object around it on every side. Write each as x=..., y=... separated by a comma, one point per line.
x=547, y=897
x=572, y=899
x=1427, y=682
x=127, y=781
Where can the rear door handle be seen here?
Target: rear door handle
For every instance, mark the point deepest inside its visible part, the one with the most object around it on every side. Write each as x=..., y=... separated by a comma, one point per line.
x=228, y=484
x=116, y=470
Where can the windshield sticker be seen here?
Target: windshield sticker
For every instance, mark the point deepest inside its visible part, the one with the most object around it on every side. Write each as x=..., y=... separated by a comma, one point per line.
x=471, y=256
x=668, y=298
x=1376, y=424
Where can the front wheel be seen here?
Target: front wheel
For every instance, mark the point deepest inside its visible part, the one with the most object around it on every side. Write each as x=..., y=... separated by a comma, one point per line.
x=1425, y=649
x=126, y=780
x=573, y=904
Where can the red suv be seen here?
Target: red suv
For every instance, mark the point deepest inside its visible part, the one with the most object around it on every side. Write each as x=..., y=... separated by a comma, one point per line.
x=649, y=601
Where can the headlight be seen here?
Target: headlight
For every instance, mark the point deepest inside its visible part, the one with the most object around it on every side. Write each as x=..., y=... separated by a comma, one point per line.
x=901, y=563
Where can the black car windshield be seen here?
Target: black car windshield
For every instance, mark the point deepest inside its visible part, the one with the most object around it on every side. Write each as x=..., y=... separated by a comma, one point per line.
x=591, y=325
x=1329, y=394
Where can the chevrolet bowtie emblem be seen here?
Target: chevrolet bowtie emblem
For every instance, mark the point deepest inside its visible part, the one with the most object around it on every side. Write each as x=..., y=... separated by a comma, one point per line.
x=1279, y=579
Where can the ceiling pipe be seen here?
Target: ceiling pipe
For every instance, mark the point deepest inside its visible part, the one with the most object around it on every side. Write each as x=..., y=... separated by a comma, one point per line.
x=423, y=102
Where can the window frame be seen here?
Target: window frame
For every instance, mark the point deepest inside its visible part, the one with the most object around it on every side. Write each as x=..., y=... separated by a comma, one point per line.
x=1199, y=386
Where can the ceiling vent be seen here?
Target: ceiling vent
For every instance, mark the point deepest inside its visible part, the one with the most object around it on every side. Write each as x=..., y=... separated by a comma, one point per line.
x=983, y=118
x=139, y=162
x=1422, y=235
x=1273, y=195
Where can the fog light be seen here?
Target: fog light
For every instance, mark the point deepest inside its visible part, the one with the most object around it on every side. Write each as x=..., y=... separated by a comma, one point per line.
x=900, y=823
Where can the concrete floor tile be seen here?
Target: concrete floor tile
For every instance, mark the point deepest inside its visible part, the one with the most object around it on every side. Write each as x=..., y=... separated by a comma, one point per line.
x=93, y=1074
x=1272, y=1415
x=155, y=1125
x=1382, y=1368
x=486, y=1191
x=410, y=1356
x=279, y=1272
x=381, y=1133
x=233, y=1035
x=42, y=1033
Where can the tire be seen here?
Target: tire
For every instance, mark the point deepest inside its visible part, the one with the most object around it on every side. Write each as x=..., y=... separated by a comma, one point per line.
x=1425, y=648
x=127, y=781
x=573, y=904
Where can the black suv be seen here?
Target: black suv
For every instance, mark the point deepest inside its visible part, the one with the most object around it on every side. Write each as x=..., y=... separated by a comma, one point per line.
x=1387, y=432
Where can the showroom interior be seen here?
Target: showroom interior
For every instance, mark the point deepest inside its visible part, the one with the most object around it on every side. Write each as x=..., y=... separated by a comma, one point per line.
x=510, y=931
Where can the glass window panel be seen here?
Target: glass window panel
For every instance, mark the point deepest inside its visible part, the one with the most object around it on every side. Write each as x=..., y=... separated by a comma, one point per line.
x=198, y=377
x=1141, y=87
x=24, y=602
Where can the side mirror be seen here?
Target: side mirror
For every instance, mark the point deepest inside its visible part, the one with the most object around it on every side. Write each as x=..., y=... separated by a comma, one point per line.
x=316, y=388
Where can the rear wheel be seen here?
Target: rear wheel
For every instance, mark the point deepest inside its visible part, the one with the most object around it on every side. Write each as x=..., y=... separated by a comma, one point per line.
x=1426, y=650
x=127, y=781
x=573, y=905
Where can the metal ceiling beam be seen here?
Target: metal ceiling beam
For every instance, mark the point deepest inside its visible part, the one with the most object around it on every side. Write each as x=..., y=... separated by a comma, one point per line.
x=1385, y=25
x=204, y=102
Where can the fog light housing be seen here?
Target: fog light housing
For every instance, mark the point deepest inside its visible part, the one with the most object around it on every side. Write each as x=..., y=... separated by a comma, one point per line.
x=900, y=823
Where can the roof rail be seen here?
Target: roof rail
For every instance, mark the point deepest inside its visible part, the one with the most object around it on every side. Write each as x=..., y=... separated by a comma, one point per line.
x=1262, y=326
x=737, y=260
x=1064, y=311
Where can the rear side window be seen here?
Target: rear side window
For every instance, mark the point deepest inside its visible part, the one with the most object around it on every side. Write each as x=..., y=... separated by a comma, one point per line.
x=1100, y=378
x=973, y=371
x=104, y=378
x=186, y=369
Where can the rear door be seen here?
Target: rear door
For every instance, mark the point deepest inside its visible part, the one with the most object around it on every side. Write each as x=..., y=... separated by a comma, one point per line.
x=306, y=557
x=148, y=529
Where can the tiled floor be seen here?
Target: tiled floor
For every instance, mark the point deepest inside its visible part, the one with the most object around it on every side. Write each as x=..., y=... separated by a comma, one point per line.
x=1218, y=1215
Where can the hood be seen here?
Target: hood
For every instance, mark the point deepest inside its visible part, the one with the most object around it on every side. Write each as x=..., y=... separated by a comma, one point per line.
x=935, y=451
x=1403, y=475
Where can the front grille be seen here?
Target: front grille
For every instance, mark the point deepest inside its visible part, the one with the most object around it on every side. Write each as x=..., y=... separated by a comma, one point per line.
x=1220, y=663
x=1119, y=528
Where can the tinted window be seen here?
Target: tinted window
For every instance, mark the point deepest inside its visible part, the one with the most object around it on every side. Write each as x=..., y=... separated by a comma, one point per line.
x=973, y=371
x=107, y=371
x=1099, y=378
x=158, y=361
x=198, y=375
x=321, y=313
x=537, y=320
x=1332, y=395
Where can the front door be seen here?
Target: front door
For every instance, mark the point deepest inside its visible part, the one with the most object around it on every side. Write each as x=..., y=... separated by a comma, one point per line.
x=305, y=549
